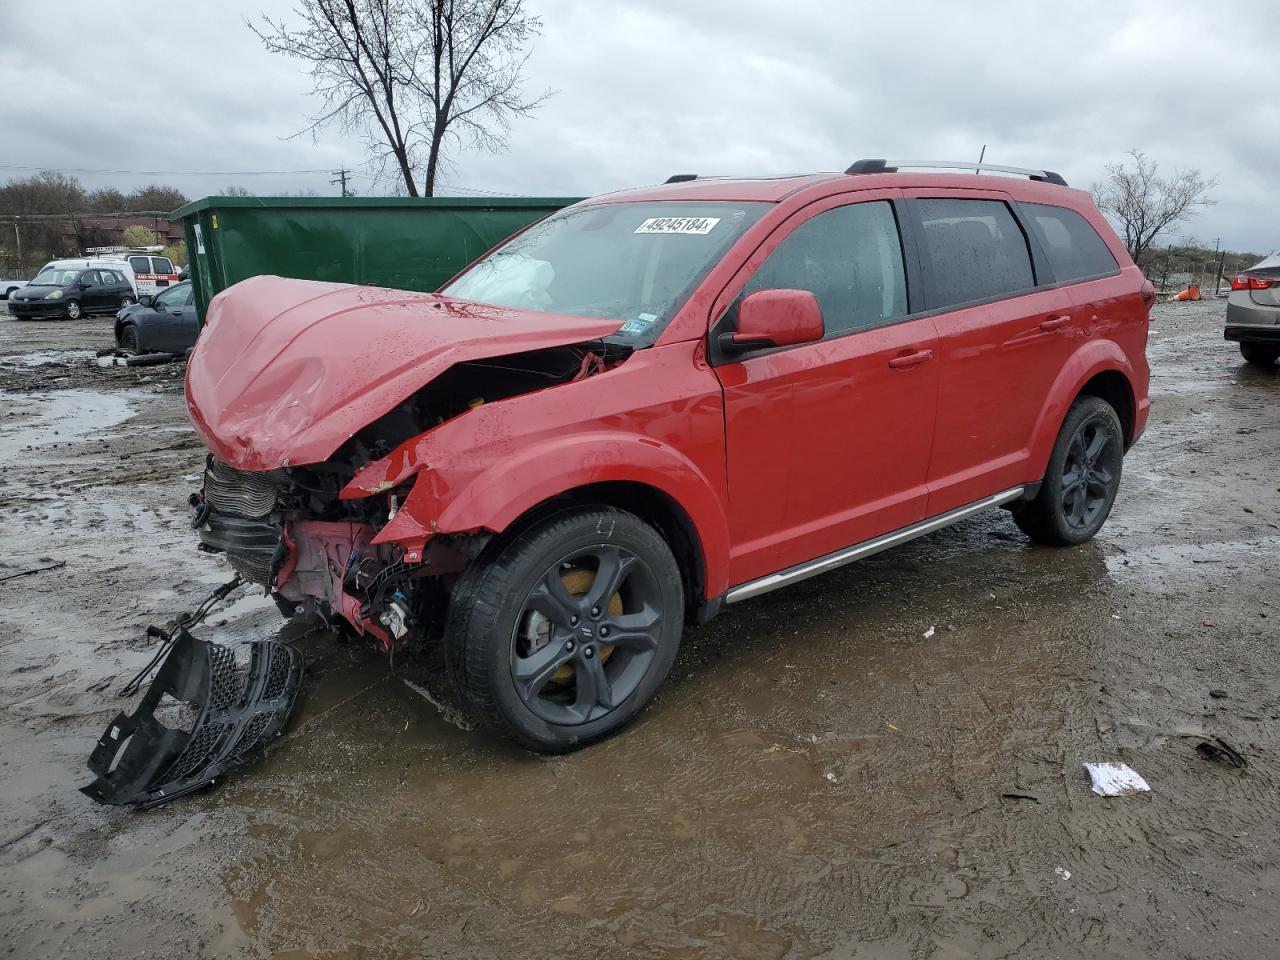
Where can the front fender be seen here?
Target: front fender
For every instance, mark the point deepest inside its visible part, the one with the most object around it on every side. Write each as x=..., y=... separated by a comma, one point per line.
x=1093, y=357
x=505, y=490
x=656, y=420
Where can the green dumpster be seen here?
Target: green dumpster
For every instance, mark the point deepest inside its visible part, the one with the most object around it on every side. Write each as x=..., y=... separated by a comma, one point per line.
x=408, y=243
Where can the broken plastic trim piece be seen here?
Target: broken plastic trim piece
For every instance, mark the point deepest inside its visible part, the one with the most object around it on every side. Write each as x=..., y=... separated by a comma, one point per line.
x=139, y=760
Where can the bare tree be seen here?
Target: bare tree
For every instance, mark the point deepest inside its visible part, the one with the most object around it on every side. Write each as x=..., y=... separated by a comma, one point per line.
x=412, y=75
x=1144, y=204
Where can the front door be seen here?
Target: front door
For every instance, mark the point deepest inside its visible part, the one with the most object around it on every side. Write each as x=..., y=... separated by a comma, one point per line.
x=828, y=443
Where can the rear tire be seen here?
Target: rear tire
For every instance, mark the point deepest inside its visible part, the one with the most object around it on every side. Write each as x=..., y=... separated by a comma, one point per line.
x=542, y=650
x=1081, y=481
x=1262, y=355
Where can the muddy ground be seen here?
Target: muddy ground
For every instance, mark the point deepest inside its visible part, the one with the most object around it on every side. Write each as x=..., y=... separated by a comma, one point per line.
x=822, y=777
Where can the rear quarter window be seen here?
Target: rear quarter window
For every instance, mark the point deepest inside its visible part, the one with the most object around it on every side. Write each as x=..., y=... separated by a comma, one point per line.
x=1074, y=249
x=974, y=250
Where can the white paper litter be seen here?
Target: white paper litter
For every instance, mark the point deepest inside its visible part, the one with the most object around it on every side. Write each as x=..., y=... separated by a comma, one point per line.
x=1115, y=779
x=930, y=632
x=1062, y=872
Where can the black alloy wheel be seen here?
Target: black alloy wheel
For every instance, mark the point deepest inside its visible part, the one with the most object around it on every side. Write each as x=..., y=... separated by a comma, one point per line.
x=587, y=635
x=1082, y=479
x=1089, y=474
x=559, y=635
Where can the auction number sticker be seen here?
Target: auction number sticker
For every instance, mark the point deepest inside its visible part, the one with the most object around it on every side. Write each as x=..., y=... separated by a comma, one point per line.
x=693, y=225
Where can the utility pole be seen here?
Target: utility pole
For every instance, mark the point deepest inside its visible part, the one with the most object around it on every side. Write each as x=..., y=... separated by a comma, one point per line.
x=17, y=236
x=340, y=176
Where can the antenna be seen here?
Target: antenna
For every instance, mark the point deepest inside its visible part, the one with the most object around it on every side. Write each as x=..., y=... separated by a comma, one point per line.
x=980, y=158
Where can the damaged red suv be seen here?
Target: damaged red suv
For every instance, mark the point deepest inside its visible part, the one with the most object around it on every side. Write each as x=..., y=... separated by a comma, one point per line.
x=660, y=401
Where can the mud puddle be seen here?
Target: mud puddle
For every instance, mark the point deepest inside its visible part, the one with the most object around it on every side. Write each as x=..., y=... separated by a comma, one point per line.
x=883, y=762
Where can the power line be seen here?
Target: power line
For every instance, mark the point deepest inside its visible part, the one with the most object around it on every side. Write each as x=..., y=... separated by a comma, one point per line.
x=166, y=173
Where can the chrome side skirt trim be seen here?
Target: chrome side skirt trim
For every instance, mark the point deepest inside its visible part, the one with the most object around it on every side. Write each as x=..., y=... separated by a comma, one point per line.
x=831, y=561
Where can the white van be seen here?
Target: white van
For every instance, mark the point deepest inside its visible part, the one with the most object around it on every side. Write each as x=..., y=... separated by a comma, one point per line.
x=148, y=273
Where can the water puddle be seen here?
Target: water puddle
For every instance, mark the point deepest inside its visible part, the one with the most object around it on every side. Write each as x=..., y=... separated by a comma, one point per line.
x=46, y=358
x=41, y=420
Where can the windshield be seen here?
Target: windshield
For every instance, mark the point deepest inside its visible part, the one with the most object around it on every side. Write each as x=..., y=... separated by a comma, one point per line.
x=53, y=277
x=634, y=262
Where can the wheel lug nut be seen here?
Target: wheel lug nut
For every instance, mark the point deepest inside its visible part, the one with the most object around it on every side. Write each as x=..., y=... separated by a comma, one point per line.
x=573, y=621
x=604, y=631
x=568, y=645
x=595, y=611
x=588, y=653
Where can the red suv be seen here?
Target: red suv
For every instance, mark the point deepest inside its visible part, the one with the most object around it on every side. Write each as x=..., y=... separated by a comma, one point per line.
x=660, y=401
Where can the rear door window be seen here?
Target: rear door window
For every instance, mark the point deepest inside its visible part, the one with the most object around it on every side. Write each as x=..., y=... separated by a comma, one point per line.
x=89, y=278
x=1074, y=249
x=161, y=265
x=973, y=250
x=140, y=264
x=850, y=258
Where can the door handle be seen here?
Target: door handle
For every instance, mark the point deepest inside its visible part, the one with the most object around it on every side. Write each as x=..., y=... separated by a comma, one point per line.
x=911, y=359
x=1054, y=323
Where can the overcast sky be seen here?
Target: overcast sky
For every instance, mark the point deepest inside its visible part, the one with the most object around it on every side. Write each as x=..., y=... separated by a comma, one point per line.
x=653, y=87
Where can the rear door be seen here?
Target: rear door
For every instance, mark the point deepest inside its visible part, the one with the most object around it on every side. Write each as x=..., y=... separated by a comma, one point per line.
x=1002, y=341
x=828, y=442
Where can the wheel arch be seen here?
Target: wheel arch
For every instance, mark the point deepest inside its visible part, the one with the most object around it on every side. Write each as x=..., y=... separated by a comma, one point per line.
x=652, y=505
x=1100, y=368
x=1115, y=388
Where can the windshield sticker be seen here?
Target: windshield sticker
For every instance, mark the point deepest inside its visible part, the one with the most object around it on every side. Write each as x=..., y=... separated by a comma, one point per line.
x=639, y=325
x=693, y=225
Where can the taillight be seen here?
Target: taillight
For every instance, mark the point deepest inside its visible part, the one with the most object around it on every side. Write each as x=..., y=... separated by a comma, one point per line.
x=1246, y=282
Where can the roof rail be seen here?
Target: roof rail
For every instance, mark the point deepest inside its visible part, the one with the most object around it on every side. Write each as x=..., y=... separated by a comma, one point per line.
x=883, y=166
x=681, y=177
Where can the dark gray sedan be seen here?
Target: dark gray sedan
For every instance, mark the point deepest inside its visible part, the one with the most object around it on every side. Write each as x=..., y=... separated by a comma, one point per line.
x=1253, y=312
x=165, y=323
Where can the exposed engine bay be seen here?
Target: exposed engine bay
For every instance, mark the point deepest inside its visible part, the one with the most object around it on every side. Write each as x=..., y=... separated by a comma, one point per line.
x=293, y=408
x=289, y=531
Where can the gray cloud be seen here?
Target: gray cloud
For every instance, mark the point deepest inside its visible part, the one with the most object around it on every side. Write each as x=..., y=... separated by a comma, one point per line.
x=650, y=88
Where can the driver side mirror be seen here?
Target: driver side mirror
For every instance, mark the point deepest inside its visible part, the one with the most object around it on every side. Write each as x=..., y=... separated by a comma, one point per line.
x=775, y=318
x=146, y=299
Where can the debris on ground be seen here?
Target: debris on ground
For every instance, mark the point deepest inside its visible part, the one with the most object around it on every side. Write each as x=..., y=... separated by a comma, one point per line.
x=1217, y=750
x=1062, y=873
x=1115, y=780
x=1218, y=694
x=219, y=712
x=26, y=573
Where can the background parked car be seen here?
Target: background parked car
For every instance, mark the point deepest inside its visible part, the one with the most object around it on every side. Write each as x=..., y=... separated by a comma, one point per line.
x=8, y=286
x=1253, y=312
x=165, y=323
x=59, y=292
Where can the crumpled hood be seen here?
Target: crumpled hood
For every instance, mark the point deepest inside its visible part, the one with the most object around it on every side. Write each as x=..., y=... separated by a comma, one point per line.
x=286, y=371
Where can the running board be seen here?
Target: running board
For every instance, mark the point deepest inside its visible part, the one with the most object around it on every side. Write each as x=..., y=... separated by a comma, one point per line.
x=831, y=561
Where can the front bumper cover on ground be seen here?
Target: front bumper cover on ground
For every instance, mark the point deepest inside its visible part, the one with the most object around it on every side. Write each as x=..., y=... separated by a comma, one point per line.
x=140, y=760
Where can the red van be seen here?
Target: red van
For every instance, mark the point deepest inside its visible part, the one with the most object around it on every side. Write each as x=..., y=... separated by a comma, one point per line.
x=661, y=401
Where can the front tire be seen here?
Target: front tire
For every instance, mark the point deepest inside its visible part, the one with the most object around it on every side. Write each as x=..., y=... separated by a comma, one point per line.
x=129, y=338
x=560, y=636
x=73, y=310
x=1083, y=477
x=1260, y=354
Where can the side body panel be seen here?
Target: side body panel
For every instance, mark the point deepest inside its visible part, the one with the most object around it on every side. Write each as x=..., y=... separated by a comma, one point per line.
x=656, y=419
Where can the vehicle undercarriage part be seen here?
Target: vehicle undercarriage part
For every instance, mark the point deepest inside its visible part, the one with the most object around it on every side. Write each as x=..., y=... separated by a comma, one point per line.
x=143, y=761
